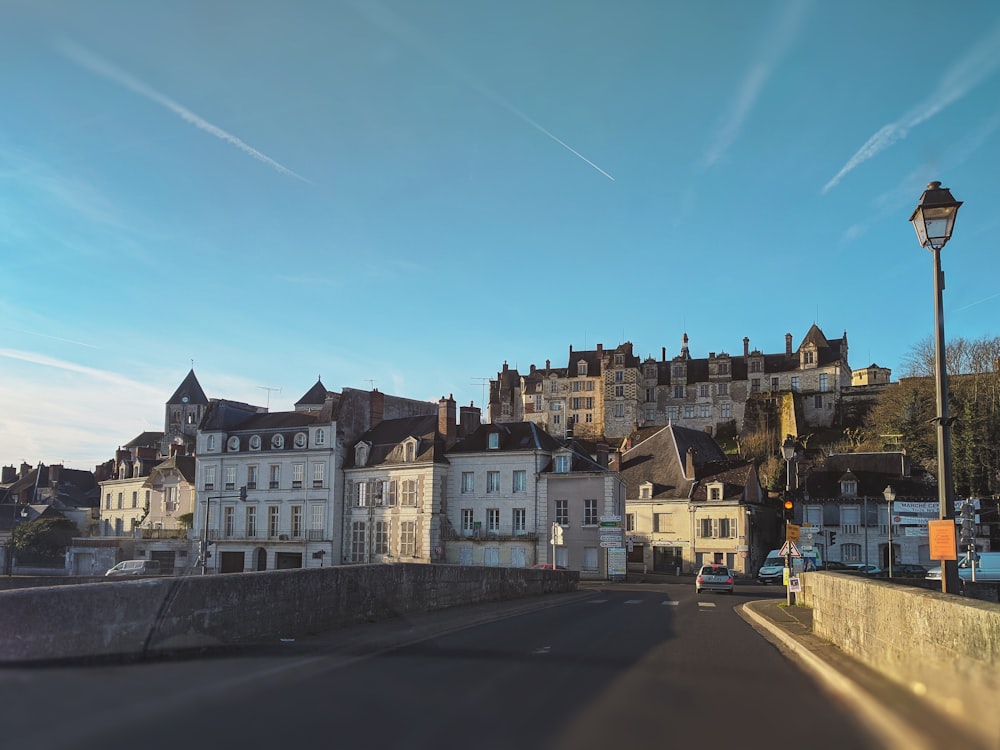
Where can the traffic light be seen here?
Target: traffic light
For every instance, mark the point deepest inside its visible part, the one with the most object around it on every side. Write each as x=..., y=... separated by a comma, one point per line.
x=557, y=534
x=788, y=506
x=968, y=529
x=243, y=493
x=833, y=538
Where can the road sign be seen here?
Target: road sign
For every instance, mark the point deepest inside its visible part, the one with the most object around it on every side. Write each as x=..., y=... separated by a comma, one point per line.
x=610, y=518
x=612, y=538
x=616, y=543
x=792, y=532
x=789, y=548
x=611, y=524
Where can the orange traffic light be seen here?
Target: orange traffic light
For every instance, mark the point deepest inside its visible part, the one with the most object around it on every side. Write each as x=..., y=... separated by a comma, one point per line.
x=789, y=505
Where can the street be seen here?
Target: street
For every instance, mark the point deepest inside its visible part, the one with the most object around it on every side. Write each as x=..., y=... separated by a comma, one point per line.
x=615, y=665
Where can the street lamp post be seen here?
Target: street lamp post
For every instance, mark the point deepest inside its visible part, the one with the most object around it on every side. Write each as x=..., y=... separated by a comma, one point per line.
x=788, y=452
x=890, y=494
x=934, y=220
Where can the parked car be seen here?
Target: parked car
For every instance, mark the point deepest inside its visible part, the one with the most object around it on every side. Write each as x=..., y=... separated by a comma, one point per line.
x=714, y=578
x=868, y=570
x=834, y=565
x=135, y=568
x=908, y=570
x=987, y=568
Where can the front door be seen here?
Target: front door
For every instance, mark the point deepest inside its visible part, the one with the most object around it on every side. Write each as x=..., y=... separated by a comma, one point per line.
x=261, y=559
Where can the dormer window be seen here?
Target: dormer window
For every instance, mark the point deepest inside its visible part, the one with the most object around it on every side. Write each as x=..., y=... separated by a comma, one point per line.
x=848, y=487
x=410, y=451
x=300, y=440
x=234, y=443
x=211, y=442
x=581, y=368
x=493, y=441
x=646, y=491
x=320, y=437
x=619, y=359
x=562, y=464
x=255, y=442
x=714, y=491
x=361, y=454
x=278, y=441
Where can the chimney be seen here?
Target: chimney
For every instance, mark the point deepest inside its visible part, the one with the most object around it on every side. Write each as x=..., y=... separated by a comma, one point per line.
x=663, y=354
x=9, y=474
x=602, y=454
x=505, y=367
x=470, y=418
x=746, y=346
x=376, y=407
x=689, y=472
x=55, y=471
x=788, y=345
x=711, y=355
x=532, y=370
x=548, y=364
x=446, y=420
x=25, y=470
x=600, y=349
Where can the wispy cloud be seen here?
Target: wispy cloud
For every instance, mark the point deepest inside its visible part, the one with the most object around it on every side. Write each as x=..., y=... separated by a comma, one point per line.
x=103, y=376
x=979, y=64
x=772, y=50
x=55, y=338
x=393, y=24
x=101, y=67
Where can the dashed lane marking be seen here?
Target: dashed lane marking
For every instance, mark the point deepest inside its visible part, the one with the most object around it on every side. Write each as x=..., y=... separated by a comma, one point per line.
x=669, y=603
x=633, y=601
x=706, y=605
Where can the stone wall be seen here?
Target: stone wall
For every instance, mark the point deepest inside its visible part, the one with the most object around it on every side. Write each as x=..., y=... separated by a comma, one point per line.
x=133, y=618
x=943, y=647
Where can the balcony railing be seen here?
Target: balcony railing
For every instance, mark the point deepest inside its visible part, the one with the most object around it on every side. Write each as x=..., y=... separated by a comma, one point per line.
x=217, y=535
x=164, y=533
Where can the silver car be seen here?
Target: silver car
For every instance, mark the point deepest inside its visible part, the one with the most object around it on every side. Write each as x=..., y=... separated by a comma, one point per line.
x=714, y=578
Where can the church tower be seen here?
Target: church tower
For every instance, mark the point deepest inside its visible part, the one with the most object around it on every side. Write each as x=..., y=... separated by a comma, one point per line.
x=183, y=415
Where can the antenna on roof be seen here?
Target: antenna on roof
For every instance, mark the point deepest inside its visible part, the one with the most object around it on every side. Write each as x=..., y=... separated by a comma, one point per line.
x=371, y=382
x=483, y=382
x=269, y=389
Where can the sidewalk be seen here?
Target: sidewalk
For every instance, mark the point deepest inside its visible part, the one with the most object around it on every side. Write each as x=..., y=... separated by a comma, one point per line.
x=899, y=717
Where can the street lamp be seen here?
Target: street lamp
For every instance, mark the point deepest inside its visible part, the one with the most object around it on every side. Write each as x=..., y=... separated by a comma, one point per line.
x=934, y=220
x=788, y=451
x=890, y=494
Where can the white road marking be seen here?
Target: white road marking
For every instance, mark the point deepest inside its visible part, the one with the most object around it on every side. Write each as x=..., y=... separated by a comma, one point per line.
x=670, y=603
x=707, y=605
x=634, y=601
x=542, y=650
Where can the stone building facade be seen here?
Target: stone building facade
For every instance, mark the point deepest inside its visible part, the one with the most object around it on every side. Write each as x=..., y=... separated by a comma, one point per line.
x=611, y=392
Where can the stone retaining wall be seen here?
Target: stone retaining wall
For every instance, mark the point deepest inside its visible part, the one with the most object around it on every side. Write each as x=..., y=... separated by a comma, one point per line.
x=132, y=618
x=943, y=647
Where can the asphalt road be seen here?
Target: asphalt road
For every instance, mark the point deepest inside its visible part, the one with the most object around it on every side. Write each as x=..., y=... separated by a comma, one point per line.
x=621, y=666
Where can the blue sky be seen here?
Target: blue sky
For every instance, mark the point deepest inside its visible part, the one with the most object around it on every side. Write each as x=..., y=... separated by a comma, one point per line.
x=412, y=193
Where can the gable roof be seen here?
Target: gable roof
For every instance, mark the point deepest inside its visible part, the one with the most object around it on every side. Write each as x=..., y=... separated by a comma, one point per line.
x=191, y=388
x=661, y=460
x=873, y=472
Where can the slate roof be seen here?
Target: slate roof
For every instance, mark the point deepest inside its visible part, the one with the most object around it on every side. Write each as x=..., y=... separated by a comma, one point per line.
x=514, y=436
x=661, y=460
x=590, y=356
x=315, y=396
x=872, y=471
x=145, y=440
x=734, y=475
x=191, y=388
x=183, y=464
x=387, y=437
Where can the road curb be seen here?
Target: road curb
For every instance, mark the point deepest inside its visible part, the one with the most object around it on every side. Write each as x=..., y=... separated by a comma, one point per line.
x=893, y=731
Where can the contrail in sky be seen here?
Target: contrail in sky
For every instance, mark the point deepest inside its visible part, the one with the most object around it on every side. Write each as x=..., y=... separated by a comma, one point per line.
x=393, y=24
x=981, y=62
x=55, y=338
x=978, y=302
x=103, y=68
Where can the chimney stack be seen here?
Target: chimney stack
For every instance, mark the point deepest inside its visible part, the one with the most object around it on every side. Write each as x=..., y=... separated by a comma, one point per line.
x=689, y=471
x=446, y=420
x=602, y=454
x=746, y=346
x=788, y=345
x=663, y=353
x=469, y=417
x=376, y=407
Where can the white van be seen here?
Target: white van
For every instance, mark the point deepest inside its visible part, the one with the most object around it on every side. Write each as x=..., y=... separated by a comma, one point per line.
x=773, y=569
x=135, y=568
x=987, y=568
